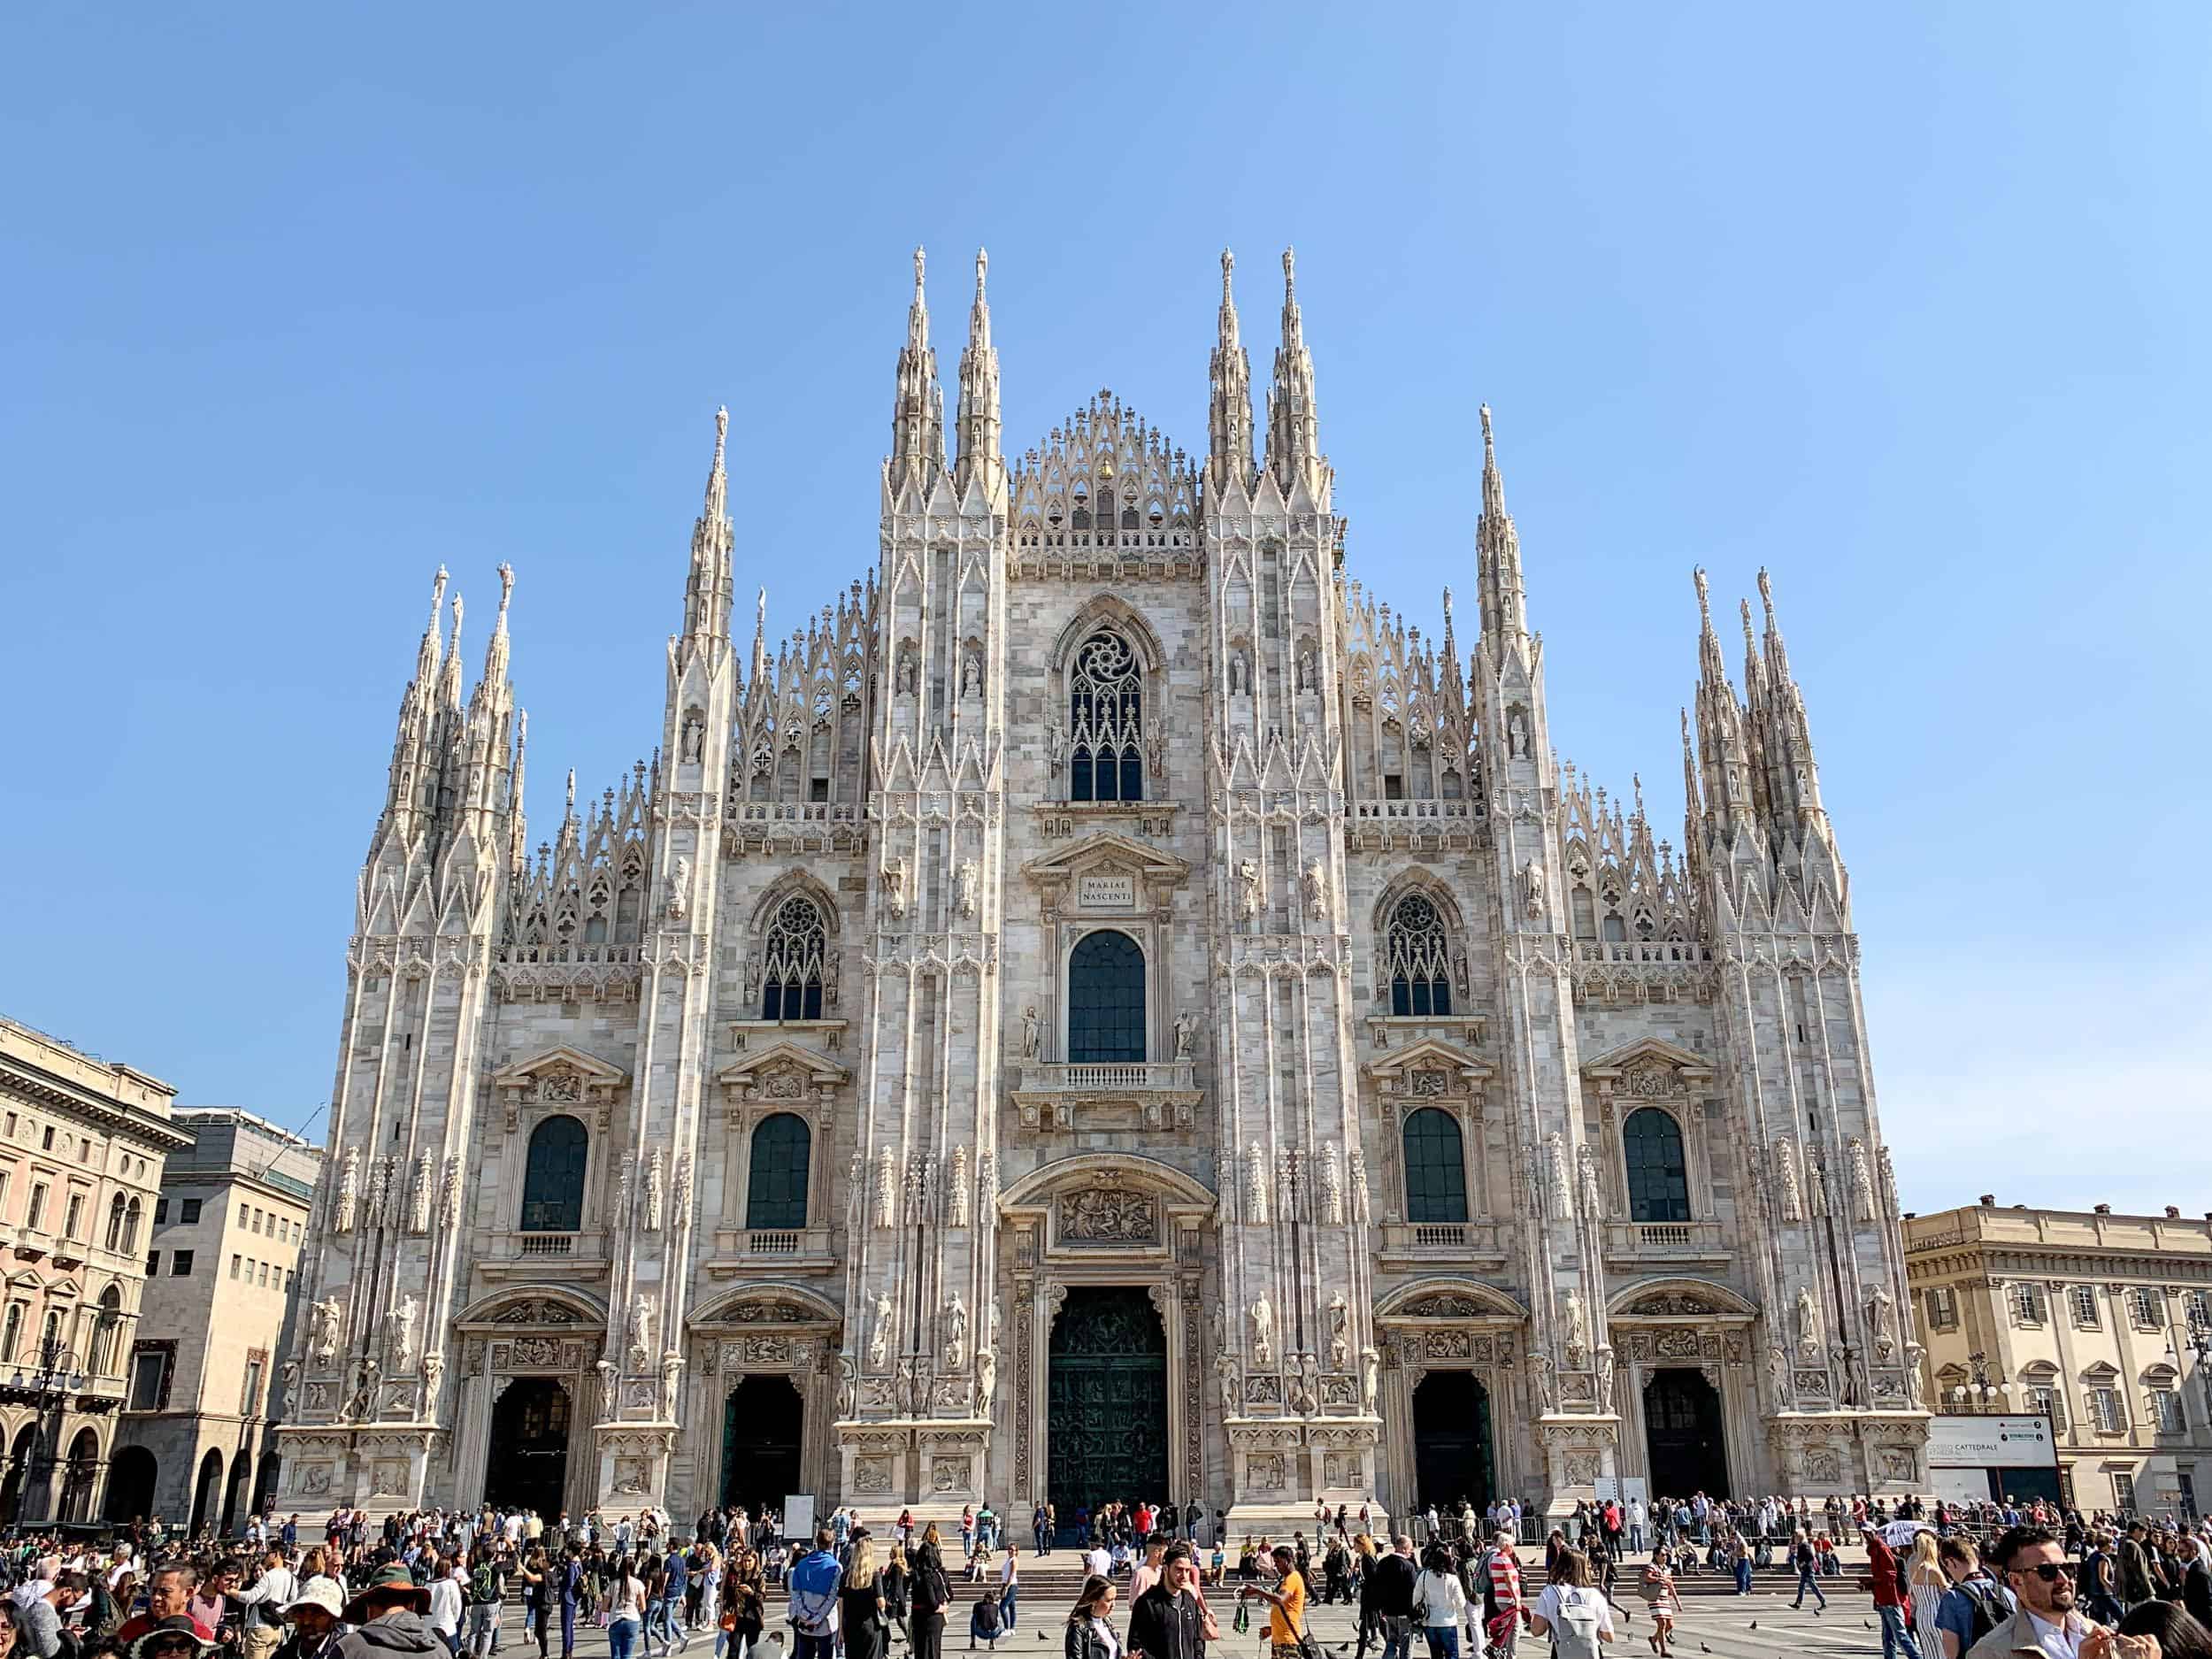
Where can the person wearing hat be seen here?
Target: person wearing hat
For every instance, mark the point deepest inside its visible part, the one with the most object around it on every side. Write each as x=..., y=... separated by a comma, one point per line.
x=387, y=1615
x=179, y=1637
x=313, y=1616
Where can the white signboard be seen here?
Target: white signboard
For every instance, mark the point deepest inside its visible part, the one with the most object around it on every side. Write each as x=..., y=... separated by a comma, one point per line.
x=1960, y=1485
x=798, y=1515
x=1106, y=893
x=1986, y=1442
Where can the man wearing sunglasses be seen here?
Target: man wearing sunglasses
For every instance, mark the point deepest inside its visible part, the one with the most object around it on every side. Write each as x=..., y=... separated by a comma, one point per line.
x=2048, y=1625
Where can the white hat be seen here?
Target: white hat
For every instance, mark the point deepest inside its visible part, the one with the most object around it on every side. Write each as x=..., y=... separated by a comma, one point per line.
x=320, y=1592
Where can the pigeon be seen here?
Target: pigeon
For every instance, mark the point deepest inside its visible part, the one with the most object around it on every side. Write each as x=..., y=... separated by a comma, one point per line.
x=1755, y=1624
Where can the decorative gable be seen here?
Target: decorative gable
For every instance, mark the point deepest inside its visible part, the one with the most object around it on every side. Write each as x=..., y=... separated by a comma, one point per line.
x=784, y=1076
x=559, y=1076
x=1646, y=1069
x=1107, y=874
x=1430, y=1069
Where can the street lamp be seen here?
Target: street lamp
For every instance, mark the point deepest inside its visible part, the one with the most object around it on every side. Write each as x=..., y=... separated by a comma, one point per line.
x=2198, y=1337
x=48, y=1384
x=1978, y=1392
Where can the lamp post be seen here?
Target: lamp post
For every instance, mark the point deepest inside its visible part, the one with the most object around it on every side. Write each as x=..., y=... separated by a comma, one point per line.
x=48, y=1384
x=1978, y=1392
x=2197, y=1337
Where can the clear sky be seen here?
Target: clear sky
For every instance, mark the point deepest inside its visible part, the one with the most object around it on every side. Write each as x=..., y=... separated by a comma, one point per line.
x=1905, y=302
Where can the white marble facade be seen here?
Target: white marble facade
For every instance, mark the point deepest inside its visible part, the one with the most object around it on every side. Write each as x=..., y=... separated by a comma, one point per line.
x=1360, y=915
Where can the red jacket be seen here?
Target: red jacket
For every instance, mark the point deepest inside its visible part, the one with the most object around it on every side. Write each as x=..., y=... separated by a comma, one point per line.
x=1882, y=1563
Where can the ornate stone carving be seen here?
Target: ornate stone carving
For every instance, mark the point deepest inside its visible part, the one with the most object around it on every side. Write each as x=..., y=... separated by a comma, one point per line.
x=348, y=1190
x=1262, y=1318
x=655, y=1193
x=1331, y=1186
x=1862, y=1202
x=887, y=1189
x=1807, y=1325
x=1256, y=1187
x=1107, y=1213
x=879, y=1332
x=1789, y=1197
x=957, y=1194
x=1358, y=1166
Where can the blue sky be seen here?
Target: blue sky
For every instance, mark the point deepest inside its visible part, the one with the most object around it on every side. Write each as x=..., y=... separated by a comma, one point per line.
x=1905, y=302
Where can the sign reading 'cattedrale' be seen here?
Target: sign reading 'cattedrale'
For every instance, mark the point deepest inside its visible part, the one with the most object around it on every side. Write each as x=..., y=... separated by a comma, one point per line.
x=1104, y=1011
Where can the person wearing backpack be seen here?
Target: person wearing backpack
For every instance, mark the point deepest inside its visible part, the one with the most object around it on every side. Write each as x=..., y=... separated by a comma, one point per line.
x=1974, y=1605
x=488, y=1588
x=1570, y=1610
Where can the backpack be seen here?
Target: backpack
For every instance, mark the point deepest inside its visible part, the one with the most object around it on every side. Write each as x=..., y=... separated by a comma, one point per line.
x=483, y=1585
x=1574, y=1633
x=1985, y=1609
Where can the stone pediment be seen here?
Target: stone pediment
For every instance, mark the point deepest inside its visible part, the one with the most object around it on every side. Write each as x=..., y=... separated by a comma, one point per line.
x=1679, y=1298
x=558, y=1076
x=1647, y=1054
x=784, y=1071
x=1431, y=1066
x=1108, y=871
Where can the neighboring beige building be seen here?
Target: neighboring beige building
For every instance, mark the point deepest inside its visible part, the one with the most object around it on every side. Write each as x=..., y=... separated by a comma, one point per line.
x=81, y=1145
x=1105, y=1010
x=2087, y=1316
x=204, y=1390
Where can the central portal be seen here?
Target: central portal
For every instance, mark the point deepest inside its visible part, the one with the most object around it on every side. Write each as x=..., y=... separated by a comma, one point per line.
x=1106, y=1429
x=527, y=1464
x=1684, y=1436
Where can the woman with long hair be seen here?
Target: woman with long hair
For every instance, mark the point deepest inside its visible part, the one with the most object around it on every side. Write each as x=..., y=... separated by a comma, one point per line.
x=1091, y=1633
x=626, y=1610
x=2179, y=1635
x=1926, y=1583
x=744, y=1606
x=928, y=1593
x=860, y=1601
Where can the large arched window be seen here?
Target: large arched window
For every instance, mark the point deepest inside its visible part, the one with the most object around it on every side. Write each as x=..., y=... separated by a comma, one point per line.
x=1105, y=1000
x=107, y=1335
x=775, y=1192
x=553, y=1180
x=115, y=1223
x=130, y=1219
x=791, y=971
x=1658, y=1174
x=1106, y=722
x=1436, y=1169
x=1416, y=959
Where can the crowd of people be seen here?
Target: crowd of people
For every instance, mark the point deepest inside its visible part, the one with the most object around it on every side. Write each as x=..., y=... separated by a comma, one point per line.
x=1976, y=1581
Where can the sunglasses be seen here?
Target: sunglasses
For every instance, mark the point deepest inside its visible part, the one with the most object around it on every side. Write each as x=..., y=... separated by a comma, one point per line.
x=2049, y=1571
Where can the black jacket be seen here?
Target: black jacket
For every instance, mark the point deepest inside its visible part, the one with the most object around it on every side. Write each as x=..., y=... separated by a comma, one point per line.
x=1388, y=1590
x=1165, y=1626
x=1082, y=1642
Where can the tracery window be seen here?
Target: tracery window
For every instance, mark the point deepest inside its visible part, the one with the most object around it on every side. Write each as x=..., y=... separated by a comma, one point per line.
x=553, y=1177
x=1436, y=1169
x=1106, y=722
x=1658, y=1172
x=791, y=975
x=1416, y=959
x=1105, y=1000
x=775, y=1182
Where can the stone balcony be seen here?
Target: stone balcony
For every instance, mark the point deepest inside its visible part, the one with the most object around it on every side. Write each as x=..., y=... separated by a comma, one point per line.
x=1059, y=1095
x=751, y=1251
x=582, y=1256
x=1658, y=1243
x=1415, y=1244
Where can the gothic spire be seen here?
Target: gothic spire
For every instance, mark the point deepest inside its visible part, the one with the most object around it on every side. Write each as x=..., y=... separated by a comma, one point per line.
x=707, y=590
x=917, y=412
x=1498, y=552
x=1720, y=723
x=426, y=657
x=449, y=681
x=980, y=452
x=1229, y=421
x=1294, y=440
x=493, y=681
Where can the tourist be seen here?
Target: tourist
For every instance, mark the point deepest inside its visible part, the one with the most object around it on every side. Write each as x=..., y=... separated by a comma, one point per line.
x=860, y=1601
x=1090, y=1632
x=930, y=1595
x=1286, y=1619
x=177, y=1638
x=313, y=1616
x=1974, y=1605
x=624, y=1601
x=1571, y=1612
x=2177, y=1633
x=1925, y=1587
x=265, y=1604
x=2136, y=1586
x=1010, y=1584
x=1889, y=1595
x=2042, y=1584
x=1806, y=1559
x=1385, y=1600
x=486, y=1590
x=1171, y=1619
x=447, y=1598
x=1440, y=1602
x=1501, y=1594
x=386, y=1615
x=1662, y=1601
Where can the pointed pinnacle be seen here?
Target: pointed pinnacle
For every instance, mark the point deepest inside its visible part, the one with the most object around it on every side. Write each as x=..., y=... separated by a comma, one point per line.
x=1704, y=598
x=919, y=259
x=506, y=590
x=437, y=595
x=1290, y=277
x=1766, y=595
x=721, y=432
x=982, y=264
x=1489, y=442
x=572, y=791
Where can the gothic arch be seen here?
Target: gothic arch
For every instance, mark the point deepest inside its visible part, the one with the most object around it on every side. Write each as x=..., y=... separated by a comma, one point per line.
x=1430, y=887
x=1114, y=614
x=1490, y=1302
x=796, y=879
x=1716, y=1296
x=562, y=1304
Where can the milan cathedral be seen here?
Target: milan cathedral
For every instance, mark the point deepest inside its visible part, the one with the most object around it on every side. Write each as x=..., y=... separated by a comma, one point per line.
x=1104, y=1010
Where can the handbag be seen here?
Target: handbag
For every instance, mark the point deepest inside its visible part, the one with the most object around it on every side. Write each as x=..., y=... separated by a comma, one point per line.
x=1242, y=1623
